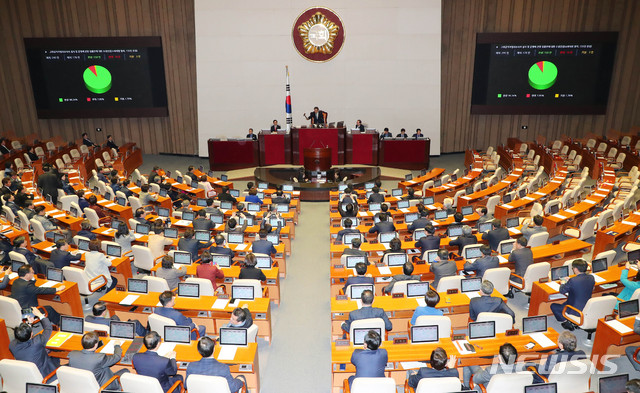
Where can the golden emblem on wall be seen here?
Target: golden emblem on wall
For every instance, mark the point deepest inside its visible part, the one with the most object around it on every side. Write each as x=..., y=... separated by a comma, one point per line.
x=318, y=34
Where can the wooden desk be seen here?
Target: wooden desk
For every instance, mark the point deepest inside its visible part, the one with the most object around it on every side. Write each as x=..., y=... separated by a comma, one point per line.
x=610, y=343
x=417, y=182
x=333, y=138
x=449, y=190
x=65, y=302
x=233, y=154
x=362, y=148
x=405, y=153
x=479, y=198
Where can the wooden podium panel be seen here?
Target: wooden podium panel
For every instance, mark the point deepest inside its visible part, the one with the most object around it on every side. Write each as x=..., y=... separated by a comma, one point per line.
x=233, y=154
x=274, y=148
x=333, y=138
x=362, y=148
x=405, y=153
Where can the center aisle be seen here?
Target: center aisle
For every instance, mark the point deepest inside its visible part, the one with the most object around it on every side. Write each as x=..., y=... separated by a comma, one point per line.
x=300, y=356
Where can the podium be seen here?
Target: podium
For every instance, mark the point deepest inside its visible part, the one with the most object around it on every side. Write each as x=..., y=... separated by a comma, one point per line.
x=317, y=158
x=274, y=148
x=302, y=138
x=362, y=148
x=232, y=154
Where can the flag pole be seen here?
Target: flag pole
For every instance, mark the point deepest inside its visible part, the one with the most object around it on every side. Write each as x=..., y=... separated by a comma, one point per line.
x=287, y=102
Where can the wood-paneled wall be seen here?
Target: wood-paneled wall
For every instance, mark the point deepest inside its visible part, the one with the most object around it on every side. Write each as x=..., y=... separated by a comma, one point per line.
x=173, y=20
x=462, y=19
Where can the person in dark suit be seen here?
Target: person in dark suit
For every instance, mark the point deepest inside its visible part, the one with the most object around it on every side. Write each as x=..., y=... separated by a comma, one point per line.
x=219, y=248
x=61, y=257
x=98, y=363
x=24, y=290
x=279, y=198
x=488, y=303
x=418, y=134
x=386, y=134
x=86, y=141
x=403, y=134
x=188, y=243
x=356, y=251
x=275, y=127
x=110, y=143
x=251, y=135
x=521, y=256
x=249, y=271
x=347, y=229
x=167, y=300
x=4, y=149
x=5, y=280
x=506, y=364
x=567, y=344
x=375, y=196
x=429, y=242
x=317, y=117
x=466, y=239
x=263, y=246
x=578, y=289
x=631, y=349
x=407, y=274
x=39, y=265
x=383, y=226
x=348, y=209
x=361, y=278
x=208, y=365
x=422, y=221
x=29, y=348
x=441, y=367
x=371, y=361
x=150, y=364
x=240, y=318
x=442, y=267
x=49, y=183
x=359, y=126
x=367, y=311
x=225, y=196
x=481, y=265
x=496, y=235
x=533, y=226
x=99, y=316
x=202, y=223
x=484, y=215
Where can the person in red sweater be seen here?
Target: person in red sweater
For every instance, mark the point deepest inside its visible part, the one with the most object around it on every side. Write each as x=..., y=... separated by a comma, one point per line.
x=208, y=270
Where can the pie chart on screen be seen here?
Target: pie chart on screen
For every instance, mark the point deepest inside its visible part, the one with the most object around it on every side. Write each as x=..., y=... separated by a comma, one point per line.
x=97, y=79
x=542, y=75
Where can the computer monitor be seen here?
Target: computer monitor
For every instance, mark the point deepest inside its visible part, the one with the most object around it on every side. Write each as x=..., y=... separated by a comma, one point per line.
x=142, y=229
x=453, y=177
x=182, y=257
x=289, y=187
x=243, y=292
x=201, y=202
x=375, y=206
x=121, y=201
x=282, y=208
x=163, y=212
x=513, y=222
x=188, y=216
x=408, y=177
x=472, y=252
x=54, y=274
x=15, y=265
x=628, y=308
x=249, y=221
x=466, y=210
x=73, y=211
x=221, y=260
x=352, y=260
x=424, y=334
x=253, y=207
x=368, y=186
x=341, y=187
x=403, y=204
x=119, y=329
x=115, y=223
x=348, y=237
x=107, y=196
x=360, y=333
x=506, y=198
x=83, y=244
x=137, y=285
x=468, y=190
x=179, y=179
x=507, y=247
x=177, y=334
x=69, y=324
x=216, y=219
x=454, y=230
x=234, y=193
x=417, y=289
x=613, y=384
x=441, y=215
x=235, y=238
x=357, y=289
x=114, y=250
x=263, y=262
x=386, y=237
x=599, y=265
x=194, y=184
x=396, y=259
x=554, y=209
x=559, y=272
x=609, y=222
x=188, y=289
x=202, y=236
x=419, y=234
x=41, y=388
x=484, y=227
x=534, y=324
x=163, y=192
x=226, y=205
x=543, y=388
x=432, y=255
x=478, y=330
x=233, y=336
x=437, y=183
x=522, y=192
x=410, y=217
x=274, y=238
x=427, y=200
x=171, y=233
x=470, y=284
x=223, y=177
x=396, y=192
x=263, y=185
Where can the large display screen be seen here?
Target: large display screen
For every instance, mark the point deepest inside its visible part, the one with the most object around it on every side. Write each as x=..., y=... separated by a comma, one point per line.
x=97, y=77
x=543, y=73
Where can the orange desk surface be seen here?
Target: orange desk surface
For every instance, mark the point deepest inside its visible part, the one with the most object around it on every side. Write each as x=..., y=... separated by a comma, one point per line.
x=511, y=208
x=609, y=341
x=66, y=302
x=479, y=197
x=417, y=182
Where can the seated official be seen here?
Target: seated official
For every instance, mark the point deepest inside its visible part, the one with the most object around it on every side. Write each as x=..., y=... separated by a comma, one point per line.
x=279, y=198
x=531, y=227
x=506, y=365
x=250, y=271
x=96, y=362
x=5, y=280
x=375, y=196
x=251, y=135
x=348, y=223
x=403, y=134
x=481, y=265
x=275, y=126
x=206, y=269
x=429, y=242
x=418, y=134
x=124, y=237
x=145, y=196
x=488, y=303
x=441, y=367
x=167, y=300
x=371, y=361
x=25, y=291
x=157, y=241
x=447, y=204
x=411, y=195
x=212, y=210
x=263, y=246
x=630, y=350
x=33, y=348
x=39, y=265
x=219, y=248
x=567, y=344
x=484, y=214
x=360, y=278
x=202, y=223
x=138, y=217
x=431, y=298
x=386, y=133
x=356, y=251
x=240, y=318
x=99, y=316
x=110, y=143
x=496, y=235
x=395, y=247
x=347, y=209
x=225, y=196
x=630, y=283
x=360, y=127
x=190, y=244
x=466, y=239
x=367, y=311
x=578, y=290
x=442, y=267
x=171, y=275
x=521, y=256
x=422, y=221
x=61, y=257
x=150, y=364
x=208, y=365
x=253, y=196
x=93, y=204
x=407, y=274
x=85, y=230
x=232, y=225
x=29, y=209
x=96, y=264
x=383, y=226
x=384, y=209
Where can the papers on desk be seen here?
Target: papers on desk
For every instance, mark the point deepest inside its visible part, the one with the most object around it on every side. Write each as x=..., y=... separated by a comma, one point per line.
x=466, y=198
x=50, y=248
x=363, y=214
x=386, y=245
x=459, y=344
x=111, y=346
x=619, y=326
x=220, y=304
x=528, y=198
x=560, y=216
x=13, y=275
x=183, y=223
x=412, y=365
x=542, y=340
x=227, y=352
x=52, y=212
x=502, y=259
x=128, y=300
x=58, y=215
x=137, y=236
x=234, y=304
x=625, y=222
x=242, y=247
x=471, y=295
x=110, y=231
x=571, y=211
x=589, y=201
x=505, y=181
x=555, y=181
x=514, y=231
x=166, y=348
x=111, y=204
x=554, y=285
x=598, y=278
x=476, y=170
x=601, y=195
x=507, y=206
x=48, y=284
x=384, y=270
x=39, y=203
x=405, y=211
x=432, y=207
x=540, y=193
x=58, y=339
x=421, y=302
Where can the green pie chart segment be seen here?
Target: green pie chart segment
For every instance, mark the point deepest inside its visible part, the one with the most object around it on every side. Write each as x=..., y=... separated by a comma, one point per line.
x=542, y=75
x=97, y=79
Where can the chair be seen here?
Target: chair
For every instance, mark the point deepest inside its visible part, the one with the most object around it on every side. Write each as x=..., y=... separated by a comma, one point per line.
x=66, y=201
x=501, y=383
x=257, y=286
x=157, y=284
x=602, y=147
x=443, y=322
x=538, y=239
x=158, y=322
x=8, y=213
x=401, y=286
x=564, y=150
x=557, y=145
x=571, y=376
x=75, y=154
x=503, y=321
x=252, y=333
x=136, y=383
x=446, y=283
x=206, y=287
x=619, y=162
x=499, y=277
x=16, y=256
x=40, y=151
x=587, y=229
x=86, y=286
x=367, y=323
x=38, y=230
x=17, y=373
x=83, y=149
x=492, y=202
x=19, y=164
x=603, y=217
x=77, y=207
x=207, y=384
x=456, y=196
x=10, y=311
x=575, y=165
x=75, y=380
x=51, y=146
x=587, y=319
x=142, y=257
x=370, y=385
x=24, y=221
x=105, y=243
x=534, y=273
x=135, y=203
x=92, y=216
x=610, y=255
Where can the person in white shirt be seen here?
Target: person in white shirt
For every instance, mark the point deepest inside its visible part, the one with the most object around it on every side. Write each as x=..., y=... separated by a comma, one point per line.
x=157, y=241
x=96, y=264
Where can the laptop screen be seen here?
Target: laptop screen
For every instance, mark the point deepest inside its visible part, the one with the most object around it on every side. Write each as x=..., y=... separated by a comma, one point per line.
x=249, y=221
x=543, y=388
x=507, y=247
x=599, y=265
x=124, y=330
x=368, y=186
x=54, y=274
x=253, y=207
x=142, y=229
x=163, y=212
x=441, y=215
x=484, y=227
x=263, y=185
x=454, y=177
x=179, y=179
x=468, y=190
x=396, y=192
x=83, y=244
x=506, y=198
x=437, y=182
x=408, y=177
x=233, y=336
x=201, y=202
x=513, y=222
x=137, y=285
x=234, y=193
x=628, y=308
x=221, y=260
x=424, y=334
x=386, y=237
x=244, y=292
x=121, y=201
x=348, y=237
x=559, y=272
x=554, y=209
x=467, y=210
x=171, y=233
x=410, y=217
x=417, y=289
x=427, y=200
x=396, y=259
x=287, y=187
x=188, y=216
x=216, y=219
x=454, y=231
x=403, y=204
x=432, y=255
x=482, y=330
x=375, y=206
x=274, y=238
x=114, y=250
x=223, y=177
x=470, y=284
x=177, y=334
x=360, y=333
x=282, y=208
x=182, y=257
x=202, y=236
x=235, y=238
x=522, y=192
x=73, y=211
x=357, y=289
x=41, y=388
x=263, y=262
x=71, y=324
x=614, y=384
x=15, y=265
x=472, y=252
x=226, y=205
x=353, y=259
x=419, y=234
x=188, y=289
x=534, y=324
x=163, y=192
